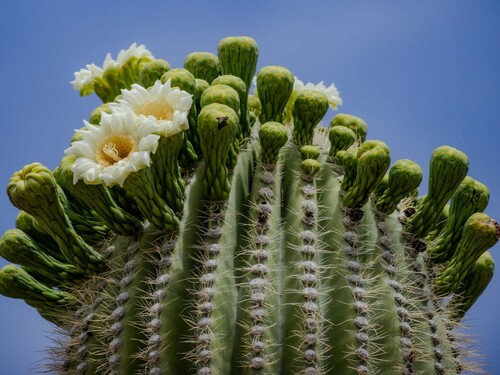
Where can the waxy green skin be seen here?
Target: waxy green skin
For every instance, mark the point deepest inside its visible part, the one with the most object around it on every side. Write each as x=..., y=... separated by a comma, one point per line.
x=246, y=248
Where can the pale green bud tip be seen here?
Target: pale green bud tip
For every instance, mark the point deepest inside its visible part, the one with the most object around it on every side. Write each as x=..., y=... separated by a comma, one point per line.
x=17, y=283
x=448, y=167
x=204, y=65
x=309, y=152
x=310, y=167
x=181, y=78
x=373, y=160
x=404, y=177
x=481, y=227
x=95, y=116
x=221, y=94
x=272, y=136
x=232, y=81
x=32, y=183
x=479, y=234
x=309, y=108
x=274, y=87
x=356, y=124
x=341, y=138
x=152, y=71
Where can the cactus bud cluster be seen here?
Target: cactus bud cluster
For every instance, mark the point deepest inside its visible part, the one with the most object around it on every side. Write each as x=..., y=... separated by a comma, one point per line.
x=194, y=227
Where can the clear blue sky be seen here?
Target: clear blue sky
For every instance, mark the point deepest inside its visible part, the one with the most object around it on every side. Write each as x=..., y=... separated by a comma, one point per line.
x=421, y=73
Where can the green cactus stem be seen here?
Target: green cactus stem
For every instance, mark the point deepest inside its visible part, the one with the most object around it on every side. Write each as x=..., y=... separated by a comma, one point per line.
x=245, y=245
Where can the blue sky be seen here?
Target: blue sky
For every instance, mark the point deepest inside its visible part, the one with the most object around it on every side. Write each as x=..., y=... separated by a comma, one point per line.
x=422, y=74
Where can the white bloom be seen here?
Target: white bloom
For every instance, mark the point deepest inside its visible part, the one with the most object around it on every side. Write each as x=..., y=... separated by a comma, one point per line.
x=110, y=152
x=168, y=107
x=84, y=79
x=133, y=51
x=331, y=91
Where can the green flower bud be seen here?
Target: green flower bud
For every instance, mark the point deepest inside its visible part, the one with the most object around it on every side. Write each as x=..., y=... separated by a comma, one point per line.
x=341, y=138
x=473, y=285
x=221, y=94
x=309, y=152
x=181, y=78
x=233, y=82
x=471, y=196
x=217, y=124
x=204, y=65
x=309, y=108
x=241, y=88
x=152, y=71
x=373, y=160
x=275, y=85
x=238, y=56
x=310, y=167
x=27, y=223
x=17, y=283
x=448, y=167
x=479, y=234
x=272, y=136
x=95, y=116
x=17, y=247
x=404, y=176
x=357, y=125
x=34, y=190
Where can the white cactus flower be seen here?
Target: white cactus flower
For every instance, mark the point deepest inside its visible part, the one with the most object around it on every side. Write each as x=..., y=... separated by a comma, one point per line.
x=167, y=106
x=331, y=91
x=84, y=78
x=108, y=153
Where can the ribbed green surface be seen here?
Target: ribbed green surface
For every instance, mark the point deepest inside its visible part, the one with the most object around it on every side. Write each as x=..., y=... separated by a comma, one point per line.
x=245, y=245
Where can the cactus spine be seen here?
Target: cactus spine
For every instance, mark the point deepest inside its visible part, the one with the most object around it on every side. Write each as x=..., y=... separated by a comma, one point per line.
x=194, y=228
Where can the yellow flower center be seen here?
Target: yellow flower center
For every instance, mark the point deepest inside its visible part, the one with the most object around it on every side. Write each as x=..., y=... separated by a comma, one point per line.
x=159, y=110
x=114, y=148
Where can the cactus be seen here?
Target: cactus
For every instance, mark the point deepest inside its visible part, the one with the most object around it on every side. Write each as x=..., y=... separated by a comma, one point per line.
x=192, y=228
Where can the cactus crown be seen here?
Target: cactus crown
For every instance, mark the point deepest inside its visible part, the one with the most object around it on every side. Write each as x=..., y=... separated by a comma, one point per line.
x=195, y=228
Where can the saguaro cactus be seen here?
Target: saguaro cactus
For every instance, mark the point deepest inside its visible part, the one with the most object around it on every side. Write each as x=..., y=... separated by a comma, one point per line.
x=195, y=228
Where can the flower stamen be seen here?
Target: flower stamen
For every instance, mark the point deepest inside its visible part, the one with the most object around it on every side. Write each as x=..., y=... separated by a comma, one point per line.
x=113, y=149
x=159, y=110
